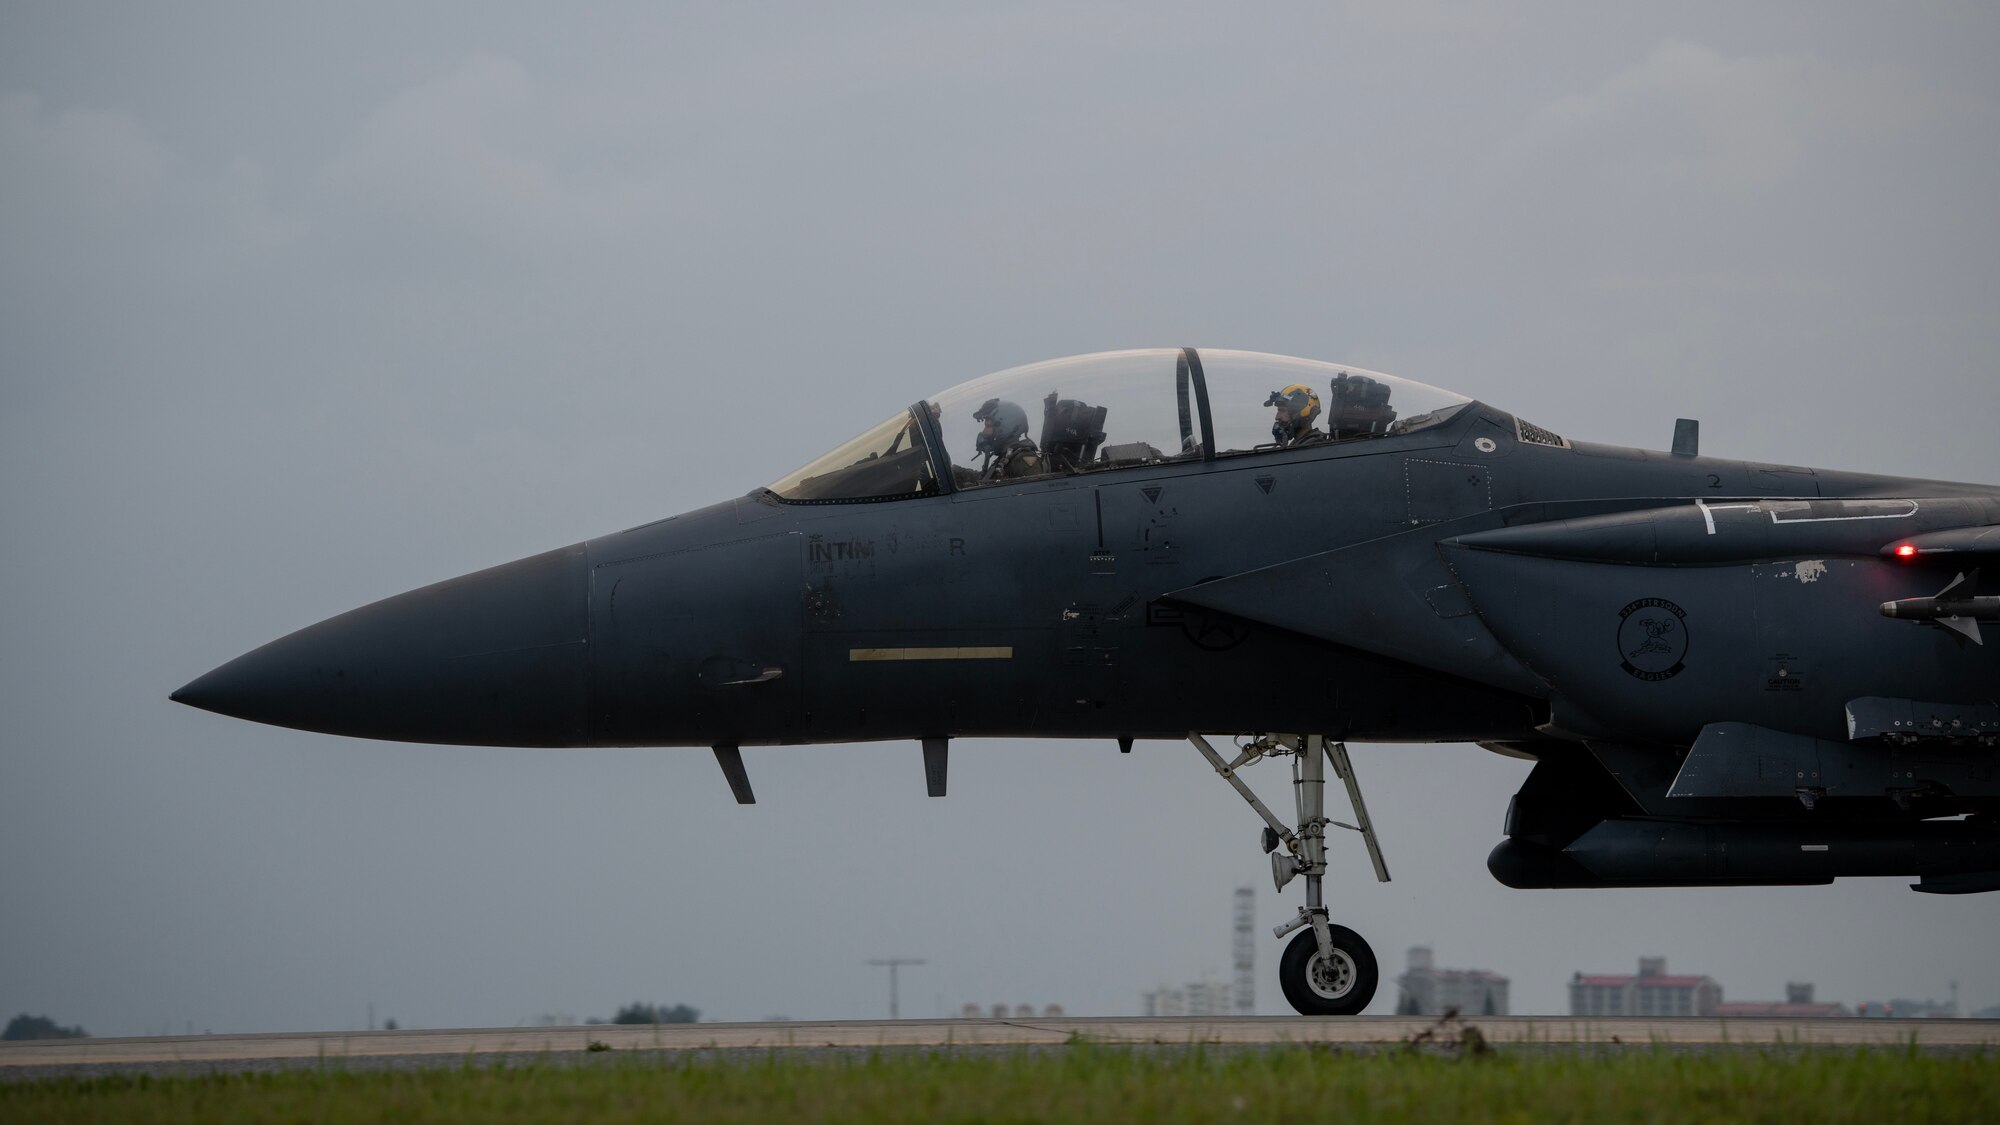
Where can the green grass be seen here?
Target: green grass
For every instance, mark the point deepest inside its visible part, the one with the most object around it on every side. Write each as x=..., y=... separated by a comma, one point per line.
x=1079, y=1083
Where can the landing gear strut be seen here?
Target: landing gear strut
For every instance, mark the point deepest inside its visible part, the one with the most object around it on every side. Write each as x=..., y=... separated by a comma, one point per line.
x=1327, y=970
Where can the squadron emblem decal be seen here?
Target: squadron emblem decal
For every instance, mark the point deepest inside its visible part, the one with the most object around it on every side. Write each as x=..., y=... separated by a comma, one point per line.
x=1652, y=639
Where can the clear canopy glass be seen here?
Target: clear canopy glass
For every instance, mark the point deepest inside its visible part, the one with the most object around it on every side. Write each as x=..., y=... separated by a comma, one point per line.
x=1114, y=410
x=1103, y=411
x=887, y=461
x=1350, y=403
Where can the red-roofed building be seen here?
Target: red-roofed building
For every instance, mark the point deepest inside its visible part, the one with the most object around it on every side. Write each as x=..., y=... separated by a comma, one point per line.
x=1651, y=993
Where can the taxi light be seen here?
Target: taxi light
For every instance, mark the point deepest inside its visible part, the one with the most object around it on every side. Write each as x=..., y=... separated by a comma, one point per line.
x=1907, y=550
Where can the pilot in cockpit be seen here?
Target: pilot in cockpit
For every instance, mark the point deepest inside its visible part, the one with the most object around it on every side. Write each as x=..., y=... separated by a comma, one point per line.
x=1298, y=409
x=1003, y=438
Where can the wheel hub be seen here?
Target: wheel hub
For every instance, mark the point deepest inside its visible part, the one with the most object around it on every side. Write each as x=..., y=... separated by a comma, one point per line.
x=1331, y=977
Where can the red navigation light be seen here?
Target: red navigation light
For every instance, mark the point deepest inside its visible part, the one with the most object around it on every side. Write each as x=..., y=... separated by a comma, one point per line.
x=1906, y=551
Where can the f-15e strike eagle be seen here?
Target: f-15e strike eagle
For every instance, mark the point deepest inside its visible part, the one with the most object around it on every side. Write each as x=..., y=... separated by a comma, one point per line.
x=1726, y=672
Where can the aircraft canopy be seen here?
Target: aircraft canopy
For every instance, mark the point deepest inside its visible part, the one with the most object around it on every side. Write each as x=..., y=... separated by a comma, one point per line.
x=1112, y=410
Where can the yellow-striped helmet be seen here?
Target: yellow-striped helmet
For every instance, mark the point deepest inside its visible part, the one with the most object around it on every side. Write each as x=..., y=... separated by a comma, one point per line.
x=1300, y=404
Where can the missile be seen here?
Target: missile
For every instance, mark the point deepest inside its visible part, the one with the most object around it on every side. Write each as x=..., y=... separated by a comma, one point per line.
x=1930, y=609
x=1961, y=614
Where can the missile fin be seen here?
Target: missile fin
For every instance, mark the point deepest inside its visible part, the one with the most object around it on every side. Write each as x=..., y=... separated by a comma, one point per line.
x=1966, y=578
x=1964, y=626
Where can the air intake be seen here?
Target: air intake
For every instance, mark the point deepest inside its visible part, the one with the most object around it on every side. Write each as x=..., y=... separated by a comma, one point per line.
x=1531, y=434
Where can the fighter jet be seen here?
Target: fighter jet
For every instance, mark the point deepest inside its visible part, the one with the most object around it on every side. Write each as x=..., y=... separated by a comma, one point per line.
x=1726, y=672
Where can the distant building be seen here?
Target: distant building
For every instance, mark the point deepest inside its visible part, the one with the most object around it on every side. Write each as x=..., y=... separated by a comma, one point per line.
x=1798, y=1003
x=1651, y=993
x=1208, y=998
x=1905, y=1008
x=1197, y=998
x=1426, y=990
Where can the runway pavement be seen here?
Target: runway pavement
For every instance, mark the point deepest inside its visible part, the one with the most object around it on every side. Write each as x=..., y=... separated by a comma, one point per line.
x=230, y=1052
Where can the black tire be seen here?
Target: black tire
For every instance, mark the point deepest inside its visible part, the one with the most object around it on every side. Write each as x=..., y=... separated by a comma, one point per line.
x=1314, y=991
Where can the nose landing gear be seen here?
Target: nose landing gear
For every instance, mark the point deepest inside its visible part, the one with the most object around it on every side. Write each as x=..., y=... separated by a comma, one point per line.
x=1335, y=983
x=1327, y=970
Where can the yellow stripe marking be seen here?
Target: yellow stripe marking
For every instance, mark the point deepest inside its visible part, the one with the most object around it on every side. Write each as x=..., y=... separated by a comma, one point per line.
x=987, y=652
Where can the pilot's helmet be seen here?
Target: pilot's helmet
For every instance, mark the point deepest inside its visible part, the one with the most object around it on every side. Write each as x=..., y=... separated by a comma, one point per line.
x=1004, y=421
x=1299, y=404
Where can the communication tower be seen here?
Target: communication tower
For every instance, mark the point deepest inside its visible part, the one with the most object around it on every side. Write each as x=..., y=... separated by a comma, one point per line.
x=1245, y=949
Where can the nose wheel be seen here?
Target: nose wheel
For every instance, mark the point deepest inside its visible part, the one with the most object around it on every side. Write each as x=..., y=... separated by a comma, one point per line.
x=1326, y=970
x=1338, y=983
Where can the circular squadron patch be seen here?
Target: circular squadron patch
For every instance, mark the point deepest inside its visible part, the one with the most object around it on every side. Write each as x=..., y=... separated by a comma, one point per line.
x=1652, y=639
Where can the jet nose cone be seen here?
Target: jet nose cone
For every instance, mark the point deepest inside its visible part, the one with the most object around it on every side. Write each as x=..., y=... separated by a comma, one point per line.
x=494, y=658
x=202, y=692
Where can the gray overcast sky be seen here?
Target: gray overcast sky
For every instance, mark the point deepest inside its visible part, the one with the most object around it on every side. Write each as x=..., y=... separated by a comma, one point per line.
x=304, y=306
